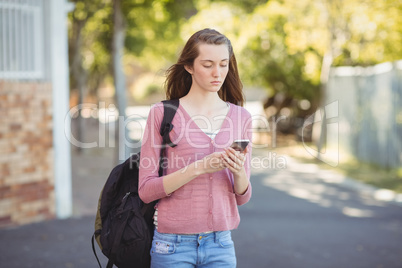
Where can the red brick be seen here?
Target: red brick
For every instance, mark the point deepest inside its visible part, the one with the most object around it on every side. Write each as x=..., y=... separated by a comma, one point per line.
x=6, y=221
x=4, y=171
x=5, y=192
x=29, y=169
x=15, y=126
x=35, y=191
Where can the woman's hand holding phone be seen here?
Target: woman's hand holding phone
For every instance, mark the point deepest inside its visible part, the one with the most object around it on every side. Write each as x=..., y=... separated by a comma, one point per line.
x=232, y=158
x=235, y=155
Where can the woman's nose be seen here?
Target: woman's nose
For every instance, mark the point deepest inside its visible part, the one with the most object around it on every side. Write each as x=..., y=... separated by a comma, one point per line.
x=216, y=71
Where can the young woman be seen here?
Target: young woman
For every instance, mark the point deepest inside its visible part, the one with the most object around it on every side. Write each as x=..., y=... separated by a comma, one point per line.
x=205, y=179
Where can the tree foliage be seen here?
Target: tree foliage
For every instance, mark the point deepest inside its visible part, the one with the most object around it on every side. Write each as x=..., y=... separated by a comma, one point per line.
x=280, y=44
x=287, y=41
x=151, y=35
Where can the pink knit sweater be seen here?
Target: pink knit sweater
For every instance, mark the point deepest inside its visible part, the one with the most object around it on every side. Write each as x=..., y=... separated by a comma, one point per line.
x=208, y=202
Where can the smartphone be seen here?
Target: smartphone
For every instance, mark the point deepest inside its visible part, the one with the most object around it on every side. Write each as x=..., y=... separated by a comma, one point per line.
x=240, y=145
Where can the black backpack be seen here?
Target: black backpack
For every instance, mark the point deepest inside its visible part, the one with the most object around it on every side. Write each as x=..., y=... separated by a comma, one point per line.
x=124, y=224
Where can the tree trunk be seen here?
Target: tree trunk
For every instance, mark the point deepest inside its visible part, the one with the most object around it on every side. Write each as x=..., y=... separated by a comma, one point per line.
x=121, y=150
x=80, y=76
x=325, y=68
x=324, y=77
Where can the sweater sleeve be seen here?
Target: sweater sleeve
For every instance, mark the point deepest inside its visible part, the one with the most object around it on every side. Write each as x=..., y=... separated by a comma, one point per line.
x=246, y=124
x=150, y=185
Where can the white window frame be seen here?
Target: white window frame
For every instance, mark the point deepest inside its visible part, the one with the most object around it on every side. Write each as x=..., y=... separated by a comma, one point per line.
x=22, y=39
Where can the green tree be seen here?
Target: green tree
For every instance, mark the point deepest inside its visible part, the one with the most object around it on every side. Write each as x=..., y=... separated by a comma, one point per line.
x=151, y=36
x=103, y=33
x=271, y=59
x=79, y=58
x=292, y=44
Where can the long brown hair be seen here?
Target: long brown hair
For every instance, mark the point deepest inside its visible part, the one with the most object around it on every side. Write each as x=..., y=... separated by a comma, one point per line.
x=178, y=80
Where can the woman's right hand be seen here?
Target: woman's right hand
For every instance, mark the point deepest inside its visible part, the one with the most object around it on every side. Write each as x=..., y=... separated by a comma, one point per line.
x=211, y=163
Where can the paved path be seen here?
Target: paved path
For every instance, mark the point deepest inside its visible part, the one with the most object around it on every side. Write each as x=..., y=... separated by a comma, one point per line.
x=304, y=217
x=299, y=217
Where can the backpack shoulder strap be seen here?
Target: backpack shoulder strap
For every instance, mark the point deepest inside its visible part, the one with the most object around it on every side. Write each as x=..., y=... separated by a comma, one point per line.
x=169, y=111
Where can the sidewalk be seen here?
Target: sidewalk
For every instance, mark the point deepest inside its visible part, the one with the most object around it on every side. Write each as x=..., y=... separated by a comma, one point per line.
x=298, y=217
x=63, y=243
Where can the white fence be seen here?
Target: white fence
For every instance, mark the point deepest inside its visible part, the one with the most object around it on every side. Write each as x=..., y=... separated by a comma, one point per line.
x=370, y=111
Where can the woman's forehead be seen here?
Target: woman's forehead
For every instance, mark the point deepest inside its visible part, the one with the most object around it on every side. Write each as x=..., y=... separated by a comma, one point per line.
x=211, y=52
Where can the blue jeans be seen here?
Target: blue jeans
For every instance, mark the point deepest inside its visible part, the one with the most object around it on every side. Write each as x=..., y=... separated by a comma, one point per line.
x=208, y=250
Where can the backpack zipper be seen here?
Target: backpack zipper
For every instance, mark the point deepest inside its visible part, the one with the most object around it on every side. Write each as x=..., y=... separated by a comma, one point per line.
x=127, y=194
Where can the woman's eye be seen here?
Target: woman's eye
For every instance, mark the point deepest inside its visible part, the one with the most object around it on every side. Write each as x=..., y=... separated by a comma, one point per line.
x=224, y=66
x=207, y=66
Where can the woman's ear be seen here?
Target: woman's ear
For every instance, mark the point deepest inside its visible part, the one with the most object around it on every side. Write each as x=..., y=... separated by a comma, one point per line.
x=189, y=69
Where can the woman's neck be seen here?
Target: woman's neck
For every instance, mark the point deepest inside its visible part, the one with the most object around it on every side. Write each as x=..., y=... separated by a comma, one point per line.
x=203, y=101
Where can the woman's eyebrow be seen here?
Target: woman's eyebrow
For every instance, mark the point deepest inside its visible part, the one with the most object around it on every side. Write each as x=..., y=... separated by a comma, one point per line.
x=213, y=61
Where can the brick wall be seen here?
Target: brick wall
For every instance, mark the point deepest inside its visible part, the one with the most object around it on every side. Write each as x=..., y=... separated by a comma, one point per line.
x=26, y=153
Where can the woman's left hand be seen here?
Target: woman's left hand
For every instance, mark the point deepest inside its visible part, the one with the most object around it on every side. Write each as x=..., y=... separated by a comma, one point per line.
x=234, y=160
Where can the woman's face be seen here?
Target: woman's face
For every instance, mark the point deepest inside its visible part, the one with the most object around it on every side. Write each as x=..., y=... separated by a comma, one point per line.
x=210, y=68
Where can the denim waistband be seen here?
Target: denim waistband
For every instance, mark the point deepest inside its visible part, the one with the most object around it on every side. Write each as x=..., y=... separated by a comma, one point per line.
x=177, y=238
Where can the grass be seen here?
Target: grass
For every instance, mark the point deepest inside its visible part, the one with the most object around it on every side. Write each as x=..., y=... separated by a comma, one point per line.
x=387, y=178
